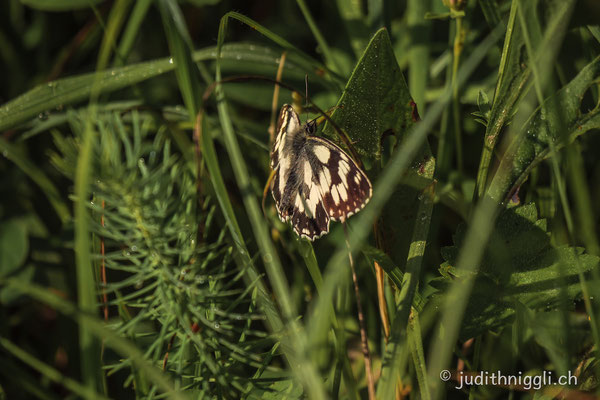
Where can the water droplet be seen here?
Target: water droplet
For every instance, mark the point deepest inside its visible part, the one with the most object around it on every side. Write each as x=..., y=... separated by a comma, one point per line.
x=92, y=203
x=171, y=60
x=134, y=248
x=5, y=153
x=183, y=272
x=217, y=325
x=128, y=254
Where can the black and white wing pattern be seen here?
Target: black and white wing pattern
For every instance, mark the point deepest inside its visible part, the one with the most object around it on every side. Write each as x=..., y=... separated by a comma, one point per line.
x=315, y=181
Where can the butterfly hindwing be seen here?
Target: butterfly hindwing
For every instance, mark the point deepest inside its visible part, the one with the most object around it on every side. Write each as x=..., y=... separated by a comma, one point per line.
x=315, y=181
x=345, y=189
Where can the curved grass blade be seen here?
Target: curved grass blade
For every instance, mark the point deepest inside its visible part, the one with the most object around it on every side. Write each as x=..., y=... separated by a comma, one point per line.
x=60, y=5
x=67, y=91
x=512, y=79
x=307, y=62
x=541, y=133
x=50, y=373
x=318, y=324
x=37, y=175
x=180, y=46
x=304, y=370
x=100, y=331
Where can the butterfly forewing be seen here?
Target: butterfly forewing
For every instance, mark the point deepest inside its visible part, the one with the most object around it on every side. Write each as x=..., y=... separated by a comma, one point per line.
x=315, y=181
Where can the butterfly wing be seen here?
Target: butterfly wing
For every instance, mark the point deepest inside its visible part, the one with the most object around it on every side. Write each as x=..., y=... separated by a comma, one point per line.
x=298, y=197
x=344, y=187
x=288, y=127
x=283, y=159
x=315, y=181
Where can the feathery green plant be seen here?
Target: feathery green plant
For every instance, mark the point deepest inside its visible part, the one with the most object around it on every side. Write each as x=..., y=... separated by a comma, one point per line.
x=488, y=242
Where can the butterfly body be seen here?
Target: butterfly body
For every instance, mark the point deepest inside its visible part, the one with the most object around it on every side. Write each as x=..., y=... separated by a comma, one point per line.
x=315, y=181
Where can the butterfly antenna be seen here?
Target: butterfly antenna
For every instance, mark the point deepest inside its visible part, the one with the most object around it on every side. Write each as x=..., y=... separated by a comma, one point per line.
x=306, y=102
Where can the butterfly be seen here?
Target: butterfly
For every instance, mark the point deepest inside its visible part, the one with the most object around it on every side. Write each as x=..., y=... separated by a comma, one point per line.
x=315, y=181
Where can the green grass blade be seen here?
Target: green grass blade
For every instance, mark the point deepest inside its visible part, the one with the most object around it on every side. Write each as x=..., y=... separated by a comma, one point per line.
x=86, y=286
x=100, y=331
x=490, y=12
x=11, y=152
x=303, y=369
x=181, y=49
x=472, y=250
x=60, y=5
x=116, y=19
x=140, y=9
x=416, y=348
x=307, y=62
x=356, y=25
x=509, y=87
x=67, y=91
x=419, y=62
x=396, y=346
x=330, y=59
x=384, y=187
x=49, y=372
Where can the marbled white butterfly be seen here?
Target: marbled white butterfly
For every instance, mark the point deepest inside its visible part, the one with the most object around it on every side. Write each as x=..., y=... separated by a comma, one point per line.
x=314, y=181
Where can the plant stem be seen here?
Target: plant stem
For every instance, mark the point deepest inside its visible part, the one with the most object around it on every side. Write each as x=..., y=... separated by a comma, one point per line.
x=361, y=322
x=459, y=39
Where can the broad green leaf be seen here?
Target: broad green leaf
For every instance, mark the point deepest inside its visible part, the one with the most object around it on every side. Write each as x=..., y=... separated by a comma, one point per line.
x=375, y=101
x=376, y=110
x=520, y=265
x=60, y=5
x=542, y=132
x=14, y=245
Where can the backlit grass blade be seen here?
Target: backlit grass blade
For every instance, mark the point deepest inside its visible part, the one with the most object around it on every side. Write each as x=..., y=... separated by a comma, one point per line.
x=12, y=152
x=98, y=328
x=67, y=91
x=334, y=273
x=297, y=356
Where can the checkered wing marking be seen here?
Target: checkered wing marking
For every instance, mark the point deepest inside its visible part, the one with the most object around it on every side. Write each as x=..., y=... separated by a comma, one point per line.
x=283, y=159
x=344, y=187
x=299, y=199
x=288, y=126
x=314, y=181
